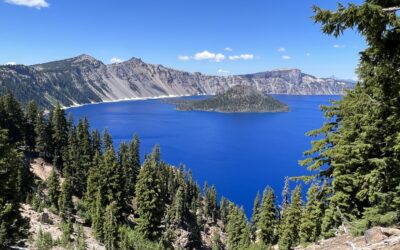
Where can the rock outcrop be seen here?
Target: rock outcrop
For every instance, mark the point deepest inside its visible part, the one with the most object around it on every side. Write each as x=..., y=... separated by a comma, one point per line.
x=84, y=79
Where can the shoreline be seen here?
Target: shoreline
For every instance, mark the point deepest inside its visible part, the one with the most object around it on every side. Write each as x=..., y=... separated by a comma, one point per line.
x=130, y=99
x=172, y=96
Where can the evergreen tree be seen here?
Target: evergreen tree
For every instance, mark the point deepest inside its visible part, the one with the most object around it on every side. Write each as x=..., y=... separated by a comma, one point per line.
x=43, y=136
x=59, y=136
x=110, y=228
x=134, y=162
x=12, y=226
x=267, y=223
x=94, y=184
x=210, y=201
x=53, y=187
x=113, y=181
x=310, y=227
x=149, y=199
x=31, y=113
x=289, y=236
x=285, y=194
x=358, y=150
x=12, y=118
x=256, y=209
x=178, y=210
x=237, y=229
x=123, y=161
x=65, y=201
x=108, y=142
x=96, y=141
x=224, y=210
x=85, y=154
x=97, y=217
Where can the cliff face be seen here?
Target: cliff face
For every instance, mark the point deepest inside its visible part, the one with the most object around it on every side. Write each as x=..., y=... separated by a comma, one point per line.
x=84, y=79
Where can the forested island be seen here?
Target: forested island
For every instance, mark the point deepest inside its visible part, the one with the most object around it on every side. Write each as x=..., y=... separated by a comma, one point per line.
x=237, y=99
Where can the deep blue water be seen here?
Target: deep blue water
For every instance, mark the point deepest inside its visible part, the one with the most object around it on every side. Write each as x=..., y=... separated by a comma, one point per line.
x=238, y=153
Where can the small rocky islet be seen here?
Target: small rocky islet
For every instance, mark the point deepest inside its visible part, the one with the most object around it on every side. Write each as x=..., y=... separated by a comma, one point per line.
x=237, y=99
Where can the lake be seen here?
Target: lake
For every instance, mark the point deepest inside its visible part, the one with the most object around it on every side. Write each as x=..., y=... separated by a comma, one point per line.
x=238, y=153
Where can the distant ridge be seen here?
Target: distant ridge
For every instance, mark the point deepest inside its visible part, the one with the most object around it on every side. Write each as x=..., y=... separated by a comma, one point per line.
x=84, y=79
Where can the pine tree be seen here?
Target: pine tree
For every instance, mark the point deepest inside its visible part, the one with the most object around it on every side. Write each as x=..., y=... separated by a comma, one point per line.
x=65, y=201
x=267, y=223
x=224, y=210
x=113, y=181
x=108, y=142
x=96, y=141
x=285, y=194
x=12, y=226
x=359, y=141
x=178, y=210
x=237, y=229
x=123, y=161
x=149, y=199
x=310, y=227
x=97, y=216
x=43, y=136
x=289, y=236
x=256, y=209
x=31, y=113
x=94, y=184
x=110, y=228
x=12, y=118
x=85, y=154
x=59, y=136
x=53, y=187
x=134, y=162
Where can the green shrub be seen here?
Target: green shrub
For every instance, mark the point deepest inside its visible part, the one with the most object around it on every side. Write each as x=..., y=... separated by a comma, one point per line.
x=44, y=241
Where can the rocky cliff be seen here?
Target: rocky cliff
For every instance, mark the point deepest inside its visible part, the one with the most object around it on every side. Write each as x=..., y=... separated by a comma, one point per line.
x=84, y=79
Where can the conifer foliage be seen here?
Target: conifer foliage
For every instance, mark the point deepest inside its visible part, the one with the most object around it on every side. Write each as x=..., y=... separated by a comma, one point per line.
x=358, y=153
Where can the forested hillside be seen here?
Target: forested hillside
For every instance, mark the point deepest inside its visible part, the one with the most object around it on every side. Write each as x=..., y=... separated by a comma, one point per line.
x=237, y=99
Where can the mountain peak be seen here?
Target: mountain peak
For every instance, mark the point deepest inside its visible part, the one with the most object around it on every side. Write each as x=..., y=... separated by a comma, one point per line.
x=85, y=57
x=135, y=60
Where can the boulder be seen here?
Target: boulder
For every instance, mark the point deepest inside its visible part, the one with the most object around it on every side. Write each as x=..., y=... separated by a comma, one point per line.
x=45, y=218
x=374, y=235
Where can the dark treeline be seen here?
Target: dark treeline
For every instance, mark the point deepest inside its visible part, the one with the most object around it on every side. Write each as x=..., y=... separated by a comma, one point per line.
x=128, y=203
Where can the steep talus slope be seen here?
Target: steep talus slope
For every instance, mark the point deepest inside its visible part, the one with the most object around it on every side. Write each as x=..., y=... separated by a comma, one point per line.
x=84, y=79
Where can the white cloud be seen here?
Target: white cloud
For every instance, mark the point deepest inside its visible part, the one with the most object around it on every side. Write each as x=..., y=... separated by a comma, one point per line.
x=281, y=49
x=338, y=46
x=29, y=3
x=223, y=71
x=116, y=60
x=228, y=49
x=286, y=57
x=242, y=57
x=308, y=54
x=183, y=58
x=10, y=63
x=219, y=57
x=206, y=55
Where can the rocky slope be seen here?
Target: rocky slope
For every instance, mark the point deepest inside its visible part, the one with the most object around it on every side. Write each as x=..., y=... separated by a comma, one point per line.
x=84, y=79
x=238, y=99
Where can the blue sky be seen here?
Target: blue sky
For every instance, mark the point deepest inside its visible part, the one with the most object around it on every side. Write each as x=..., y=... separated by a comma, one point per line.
x=210, y=36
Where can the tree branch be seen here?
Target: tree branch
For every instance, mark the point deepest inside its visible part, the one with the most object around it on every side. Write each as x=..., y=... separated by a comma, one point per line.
x=391, y=9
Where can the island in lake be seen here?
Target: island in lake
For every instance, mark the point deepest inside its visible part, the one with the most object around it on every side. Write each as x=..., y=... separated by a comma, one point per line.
x=238, y=99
